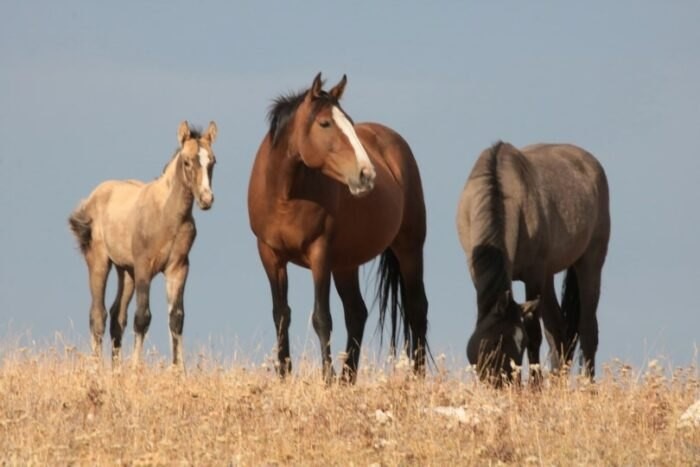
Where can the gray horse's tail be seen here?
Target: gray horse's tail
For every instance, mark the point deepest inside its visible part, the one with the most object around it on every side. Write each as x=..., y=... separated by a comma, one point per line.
x=571, y=310
x=81, y=225
x=391, y=294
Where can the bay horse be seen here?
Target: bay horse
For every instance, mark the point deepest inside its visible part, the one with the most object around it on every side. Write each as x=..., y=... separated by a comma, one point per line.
x=144, y=229
x=329, y=195
x=526, y=215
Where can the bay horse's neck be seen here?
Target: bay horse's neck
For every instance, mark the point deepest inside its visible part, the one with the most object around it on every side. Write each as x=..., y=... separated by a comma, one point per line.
x=288, y=178
x=177, y=198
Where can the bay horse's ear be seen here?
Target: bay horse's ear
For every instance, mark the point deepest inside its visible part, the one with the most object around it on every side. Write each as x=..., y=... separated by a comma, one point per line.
x=316, y=86
x=183, y=132
x=210, y=134
x=337, y=91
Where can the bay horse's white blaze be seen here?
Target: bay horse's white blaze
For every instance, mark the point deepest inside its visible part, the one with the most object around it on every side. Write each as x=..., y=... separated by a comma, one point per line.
x=349, y=131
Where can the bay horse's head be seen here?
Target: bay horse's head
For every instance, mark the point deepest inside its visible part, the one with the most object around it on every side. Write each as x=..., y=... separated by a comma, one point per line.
x=499, y=340
x=198, y=161
x=323, y=136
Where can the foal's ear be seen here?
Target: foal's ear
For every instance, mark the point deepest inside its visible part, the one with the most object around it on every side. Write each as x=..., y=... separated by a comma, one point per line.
x=337, y=91
x=316, y=86
x=183, y=132
x=210, y=134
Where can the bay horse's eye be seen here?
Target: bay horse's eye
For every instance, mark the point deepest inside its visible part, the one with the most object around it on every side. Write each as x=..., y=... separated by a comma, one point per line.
x=325, y=123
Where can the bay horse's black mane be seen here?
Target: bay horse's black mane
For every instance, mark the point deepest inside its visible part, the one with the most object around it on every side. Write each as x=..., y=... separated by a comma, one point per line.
x=283, y=108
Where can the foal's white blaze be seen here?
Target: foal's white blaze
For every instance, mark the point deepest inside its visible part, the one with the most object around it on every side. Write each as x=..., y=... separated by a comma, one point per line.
x=349, y=131
x=204, y=162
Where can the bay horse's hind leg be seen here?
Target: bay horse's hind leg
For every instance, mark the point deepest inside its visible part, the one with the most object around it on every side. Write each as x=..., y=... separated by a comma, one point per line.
x=118, y=311
x=348, y=286
x=98, y=269
x=415, y=302
x=276, y=270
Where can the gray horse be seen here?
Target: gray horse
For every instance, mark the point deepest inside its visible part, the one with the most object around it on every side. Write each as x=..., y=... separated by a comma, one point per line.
x=526, y=215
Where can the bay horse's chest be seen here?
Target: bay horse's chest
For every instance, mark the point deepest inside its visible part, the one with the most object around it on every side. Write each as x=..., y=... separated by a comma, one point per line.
x=356, y=230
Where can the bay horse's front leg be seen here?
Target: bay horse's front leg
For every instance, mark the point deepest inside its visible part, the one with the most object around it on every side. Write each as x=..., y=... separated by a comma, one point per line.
x=321, y=317
x=175, y=278
x=142, y=317
x=276, y=270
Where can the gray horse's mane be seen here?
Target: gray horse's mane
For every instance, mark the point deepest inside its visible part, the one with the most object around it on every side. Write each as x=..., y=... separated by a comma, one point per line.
x=489, y=257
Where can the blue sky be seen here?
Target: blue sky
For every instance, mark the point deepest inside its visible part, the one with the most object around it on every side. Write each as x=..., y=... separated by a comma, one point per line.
x=93, y=91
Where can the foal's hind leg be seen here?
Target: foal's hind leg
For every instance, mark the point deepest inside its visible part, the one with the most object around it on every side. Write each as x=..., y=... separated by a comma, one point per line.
x=118, y=311
x=175, y=277
x=98, y=268
x=416, y=303
x=348, y=287
x=276, y=270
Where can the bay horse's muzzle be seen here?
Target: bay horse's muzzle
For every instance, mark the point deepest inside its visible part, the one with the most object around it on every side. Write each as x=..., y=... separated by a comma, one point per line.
x=364, y=183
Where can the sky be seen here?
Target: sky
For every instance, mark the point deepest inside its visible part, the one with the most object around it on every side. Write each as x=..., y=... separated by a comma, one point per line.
x=92, y=91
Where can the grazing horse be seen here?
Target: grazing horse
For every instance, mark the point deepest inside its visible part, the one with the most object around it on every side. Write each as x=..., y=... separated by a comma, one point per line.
x=330, y=195
x=526, y=215
x=143, y=229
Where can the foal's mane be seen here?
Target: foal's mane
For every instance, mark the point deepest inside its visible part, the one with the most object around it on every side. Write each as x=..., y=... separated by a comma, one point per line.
x=284, y=106
x=195, y=133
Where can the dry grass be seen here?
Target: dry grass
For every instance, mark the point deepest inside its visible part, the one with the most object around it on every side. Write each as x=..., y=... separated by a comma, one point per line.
x=59, y=407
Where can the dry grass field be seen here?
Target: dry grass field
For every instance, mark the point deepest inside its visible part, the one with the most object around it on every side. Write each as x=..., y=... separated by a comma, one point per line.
x=59, y=407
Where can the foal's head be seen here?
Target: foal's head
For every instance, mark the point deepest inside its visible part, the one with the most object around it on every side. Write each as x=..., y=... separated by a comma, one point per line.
x=198, y=161
x=323, y=136
x=499, y=340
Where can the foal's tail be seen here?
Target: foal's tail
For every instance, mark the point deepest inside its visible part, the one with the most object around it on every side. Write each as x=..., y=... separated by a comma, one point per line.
x=391, y=294
x=81, y=225
x=571, y=309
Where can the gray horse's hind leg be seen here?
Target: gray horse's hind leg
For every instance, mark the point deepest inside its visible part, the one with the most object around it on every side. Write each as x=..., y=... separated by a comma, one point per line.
x=348, y=287
x=118, y=311
x=533, y=329
x=554, y=325
x=588, y=271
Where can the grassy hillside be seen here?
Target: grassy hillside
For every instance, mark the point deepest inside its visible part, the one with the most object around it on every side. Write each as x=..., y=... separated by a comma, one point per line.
x=60, y=407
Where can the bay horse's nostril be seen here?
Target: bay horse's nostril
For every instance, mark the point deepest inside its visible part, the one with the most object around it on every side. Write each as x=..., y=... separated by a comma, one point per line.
x=366, y=176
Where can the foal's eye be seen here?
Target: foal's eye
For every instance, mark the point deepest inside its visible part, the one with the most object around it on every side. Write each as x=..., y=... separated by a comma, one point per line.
x=188, y=164
x=325, y=123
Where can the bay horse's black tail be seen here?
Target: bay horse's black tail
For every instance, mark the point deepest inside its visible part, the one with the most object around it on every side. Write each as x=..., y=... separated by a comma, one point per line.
x=571, y=310
x=81, y=225
x=391, y=294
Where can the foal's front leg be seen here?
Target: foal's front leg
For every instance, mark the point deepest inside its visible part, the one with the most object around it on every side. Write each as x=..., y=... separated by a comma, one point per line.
x=321, y=318
x=175, y=278
x=142, y=317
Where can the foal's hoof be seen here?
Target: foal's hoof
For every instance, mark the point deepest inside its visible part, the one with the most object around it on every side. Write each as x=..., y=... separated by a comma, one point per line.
x=328, y=374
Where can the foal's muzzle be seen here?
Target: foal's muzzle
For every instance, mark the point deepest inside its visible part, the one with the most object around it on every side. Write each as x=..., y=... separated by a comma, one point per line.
x=205, y=201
